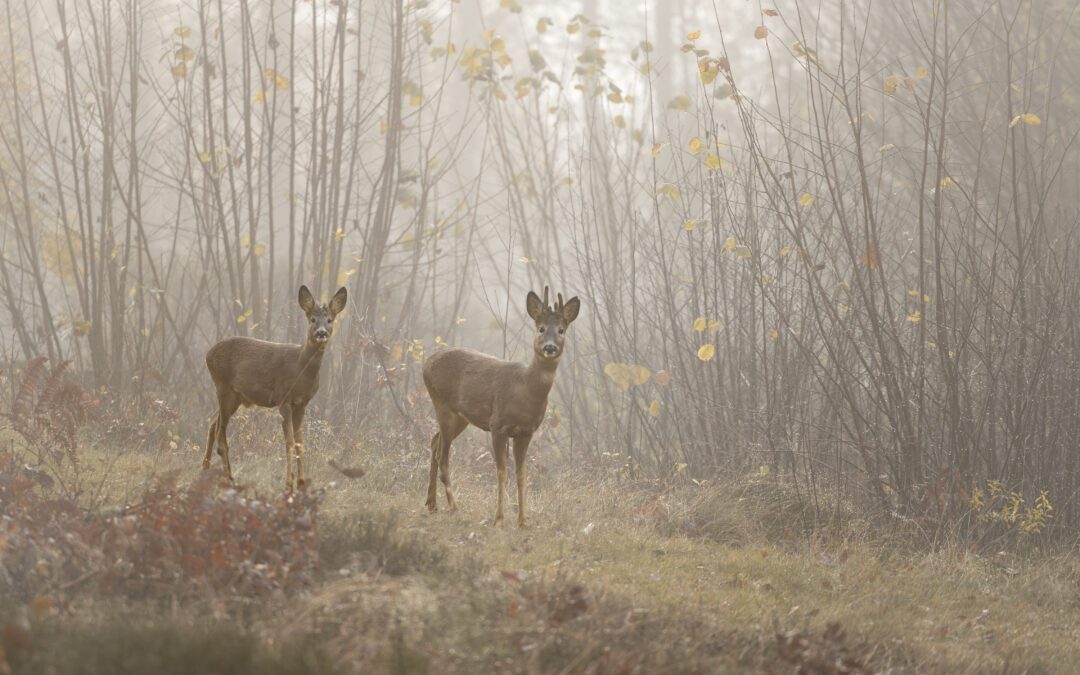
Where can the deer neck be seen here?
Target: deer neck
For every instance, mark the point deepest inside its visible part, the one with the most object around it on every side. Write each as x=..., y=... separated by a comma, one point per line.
x=311, y=355
x=541, y=374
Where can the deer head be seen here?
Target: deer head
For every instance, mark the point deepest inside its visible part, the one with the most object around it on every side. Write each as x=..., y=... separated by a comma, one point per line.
x=551, y=323
x=321, y=317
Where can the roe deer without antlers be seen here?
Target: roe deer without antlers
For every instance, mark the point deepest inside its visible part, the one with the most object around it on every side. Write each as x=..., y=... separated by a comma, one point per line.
x=506, y=398
x=251, y=372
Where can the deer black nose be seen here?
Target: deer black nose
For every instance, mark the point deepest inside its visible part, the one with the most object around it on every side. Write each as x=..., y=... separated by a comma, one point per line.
x=550, y=350
x=322, y=334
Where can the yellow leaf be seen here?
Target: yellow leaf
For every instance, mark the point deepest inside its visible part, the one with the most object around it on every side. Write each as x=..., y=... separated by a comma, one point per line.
x=396, y=352
x=245, y=241
x=689, y=225
x=887, y=147
x=680, y=103
x=693, y=36
x=204, y=157
x=343, y=276
x=620, y=122
x=179, y=71
x=706, y=352
x=680, y=467
x=572, y=28
x=132, y=292
x=696, y=144
x=699, y=324
x=617, y=373
x=668, y=190
x=743, y=251
x=182, y=31
x=774, y=335
x=785, y=251
x=662, y=378
x=806, y=199
x=921, y=73
x=915, y=317
x=713, y=162
x=763, y=470
x=339, y=234
x=729, y=244
x=761, y=32
x=259, y=250
x=657, y=148
x=639, y=375
x=1026, y=118
x=891, y=82
x=654, y=408
x=708, y=68
x=946, y=181
x=542, y=24
x=260, y=96
x=771, y=12
x=713, y=324
x=185, y=53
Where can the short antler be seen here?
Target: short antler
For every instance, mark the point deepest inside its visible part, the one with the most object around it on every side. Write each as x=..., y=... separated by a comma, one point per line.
x=559, y=304
x=546, y=289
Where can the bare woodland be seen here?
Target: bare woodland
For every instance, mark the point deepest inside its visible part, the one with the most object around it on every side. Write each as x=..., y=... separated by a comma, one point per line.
x=829, y=246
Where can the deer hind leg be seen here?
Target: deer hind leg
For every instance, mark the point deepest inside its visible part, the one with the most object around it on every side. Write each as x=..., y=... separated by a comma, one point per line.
x=227, y=405
x=521, y=447
x=498, y=445
x=447, y=434
x=433, y=476
x=298, y=445
x=288, y=430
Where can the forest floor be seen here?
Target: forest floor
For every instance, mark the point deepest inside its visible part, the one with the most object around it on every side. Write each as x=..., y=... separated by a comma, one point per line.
x=614, y=576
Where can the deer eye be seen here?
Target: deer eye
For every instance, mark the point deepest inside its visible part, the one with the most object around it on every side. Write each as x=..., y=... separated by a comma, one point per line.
x=561, y=331
x=541, y=330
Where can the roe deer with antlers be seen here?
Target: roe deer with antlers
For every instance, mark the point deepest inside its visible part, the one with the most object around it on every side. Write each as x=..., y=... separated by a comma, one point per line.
x=251, y=372
x=506, y=398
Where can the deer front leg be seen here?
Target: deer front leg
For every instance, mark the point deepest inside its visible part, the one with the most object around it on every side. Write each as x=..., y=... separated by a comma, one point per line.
x=210, y=438
x=521, y=447
x=298, y=444
x=499, y=447
x=287, y=429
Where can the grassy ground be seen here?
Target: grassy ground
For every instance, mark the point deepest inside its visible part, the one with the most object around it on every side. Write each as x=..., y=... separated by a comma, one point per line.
x=613, y=577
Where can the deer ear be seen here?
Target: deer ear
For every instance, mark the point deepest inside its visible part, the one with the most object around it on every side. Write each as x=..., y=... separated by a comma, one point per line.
x=570, y=309
x=337, y=303
x=534, y=306
x=306, y=300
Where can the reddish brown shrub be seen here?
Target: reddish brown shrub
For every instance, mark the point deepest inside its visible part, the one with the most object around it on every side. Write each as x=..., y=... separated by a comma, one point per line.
x=207, y=536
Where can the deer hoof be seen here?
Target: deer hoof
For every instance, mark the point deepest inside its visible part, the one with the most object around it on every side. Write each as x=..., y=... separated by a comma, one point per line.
x=206, y=464
x=499, y=523
x=301, y=484
x=524, y=525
